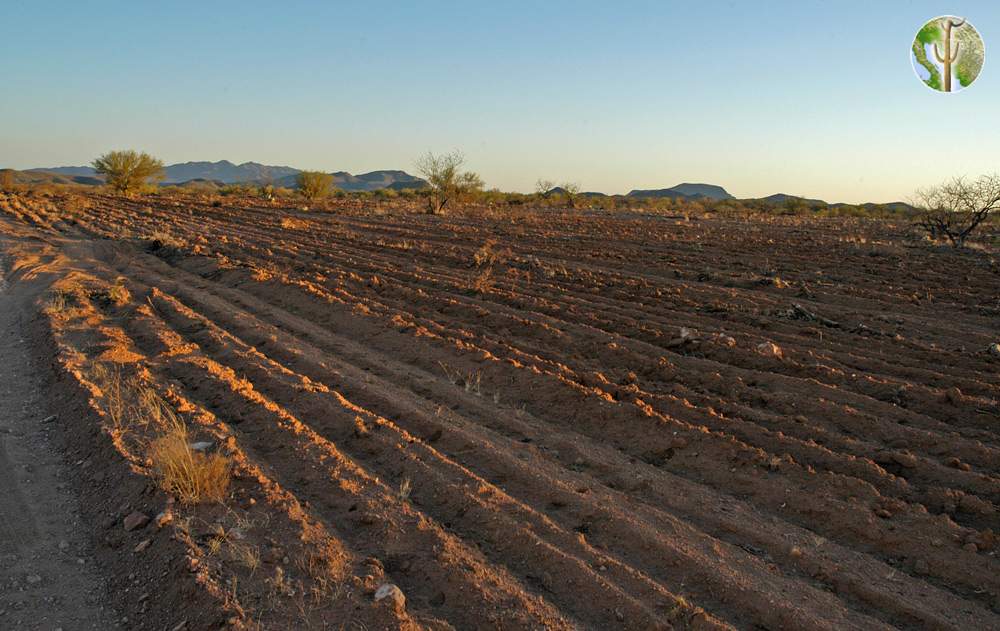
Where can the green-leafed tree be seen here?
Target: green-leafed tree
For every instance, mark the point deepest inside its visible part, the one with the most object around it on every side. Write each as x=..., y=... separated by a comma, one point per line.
x=128, y=171
x=315, y=184
x=570, y=191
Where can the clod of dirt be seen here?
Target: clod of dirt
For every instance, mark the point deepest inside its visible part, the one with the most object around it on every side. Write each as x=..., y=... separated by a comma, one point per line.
x=954, y=395
x=904, y=459
x=725, y=340
x=770, y=349
x=955, y=463
x=393, y=593
x=135, y=521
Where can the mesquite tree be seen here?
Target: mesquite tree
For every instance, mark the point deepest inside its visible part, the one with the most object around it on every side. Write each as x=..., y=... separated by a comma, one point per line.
x=949, y=55
x=446, y=179
x=314, y=184
x=956, y=208
x=128, y=171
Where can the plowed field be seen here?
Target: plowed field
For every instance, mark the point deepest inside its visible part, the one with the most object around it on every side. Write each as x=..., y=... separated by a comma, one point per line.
x=557, y=420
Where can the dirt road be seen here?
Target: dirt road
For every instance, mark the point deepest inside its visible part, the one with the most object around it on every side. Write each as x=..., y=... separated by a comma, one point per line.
x=47, y=575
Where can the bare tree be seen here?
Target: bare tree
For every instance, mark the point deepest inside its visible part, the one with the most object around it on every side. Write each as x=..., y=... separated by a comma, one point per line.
x=956, y=208
x=128, y=171
x=446, y=178
x=568, y=190
x=544, y=187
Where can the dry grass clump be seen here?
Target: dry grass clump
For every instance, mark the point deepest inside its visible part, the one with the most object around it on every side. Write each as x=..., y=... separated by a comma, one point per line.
x=163, y=239
x=63, y=300
x=190, y=476
x=130, y=403
x=291, y=223
x=118, y=294
x=136, y=410
x=58, y=304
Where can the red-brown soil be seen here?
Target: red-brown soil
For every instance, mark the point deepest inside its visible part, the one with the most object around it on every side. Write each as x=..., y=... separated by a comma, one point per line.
x=545, y=420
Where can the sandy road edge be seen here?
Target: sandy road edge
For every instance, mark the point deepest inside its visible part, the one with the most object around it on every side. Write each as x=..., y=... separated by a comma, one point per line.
x=153, y=589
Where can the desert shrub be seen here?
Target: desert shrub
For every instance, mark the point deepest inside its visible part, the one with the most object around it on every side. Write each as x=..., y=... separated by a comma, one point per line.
x=190, y=476
x=447, y=180
x=6, y=180
x=128, y=171
x=237, y=189
x=314, y=184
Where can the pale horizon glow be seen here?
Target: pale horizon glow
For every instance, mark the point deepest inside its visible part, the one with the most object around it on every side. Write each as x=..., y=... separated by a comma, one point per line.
x=804, y=98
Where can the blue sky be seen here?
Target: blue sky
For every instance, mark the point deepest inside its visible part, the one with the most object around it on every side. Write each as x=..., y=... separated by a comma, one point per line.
x=810, y=98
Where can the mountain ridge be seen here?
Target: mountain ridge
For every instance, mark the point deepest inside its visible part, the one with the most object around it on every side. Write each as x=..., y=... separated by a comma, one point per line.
x=226, y=172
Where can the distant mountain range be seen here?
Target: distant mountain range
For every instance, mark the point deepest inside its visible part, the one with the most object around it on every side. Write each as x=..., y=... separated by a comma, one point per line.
x=225, y=172
x=685, y=191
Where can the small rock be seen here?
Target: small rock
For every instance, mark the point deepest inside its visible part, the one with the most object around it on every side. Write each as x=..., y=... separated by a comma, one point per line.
x=883, y=513
x=165, y=517
x=971, y=547
x=994, y=349
x=393, y=593
x=202, y=446
x=142, y=545
x=34, y=579
x=770, y=349
x=49, y=419
x=135, y=521
x=64, y=545
x=954, y=395
x=688, y=334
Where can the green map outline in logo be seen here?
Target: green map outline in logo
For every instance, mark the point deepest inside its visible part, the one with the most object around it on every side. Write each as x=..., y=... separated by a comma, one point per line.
x=956, y=46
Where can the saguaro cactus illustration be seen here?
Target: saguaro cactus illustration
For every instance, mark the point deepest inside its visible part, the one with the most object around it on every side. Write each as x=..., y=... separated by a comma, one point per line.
x=949, y=54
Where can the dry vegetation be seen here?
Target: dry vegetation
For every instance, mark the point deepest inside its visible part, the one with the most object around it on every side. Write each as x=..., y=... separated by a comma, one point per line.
x=537, y=418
